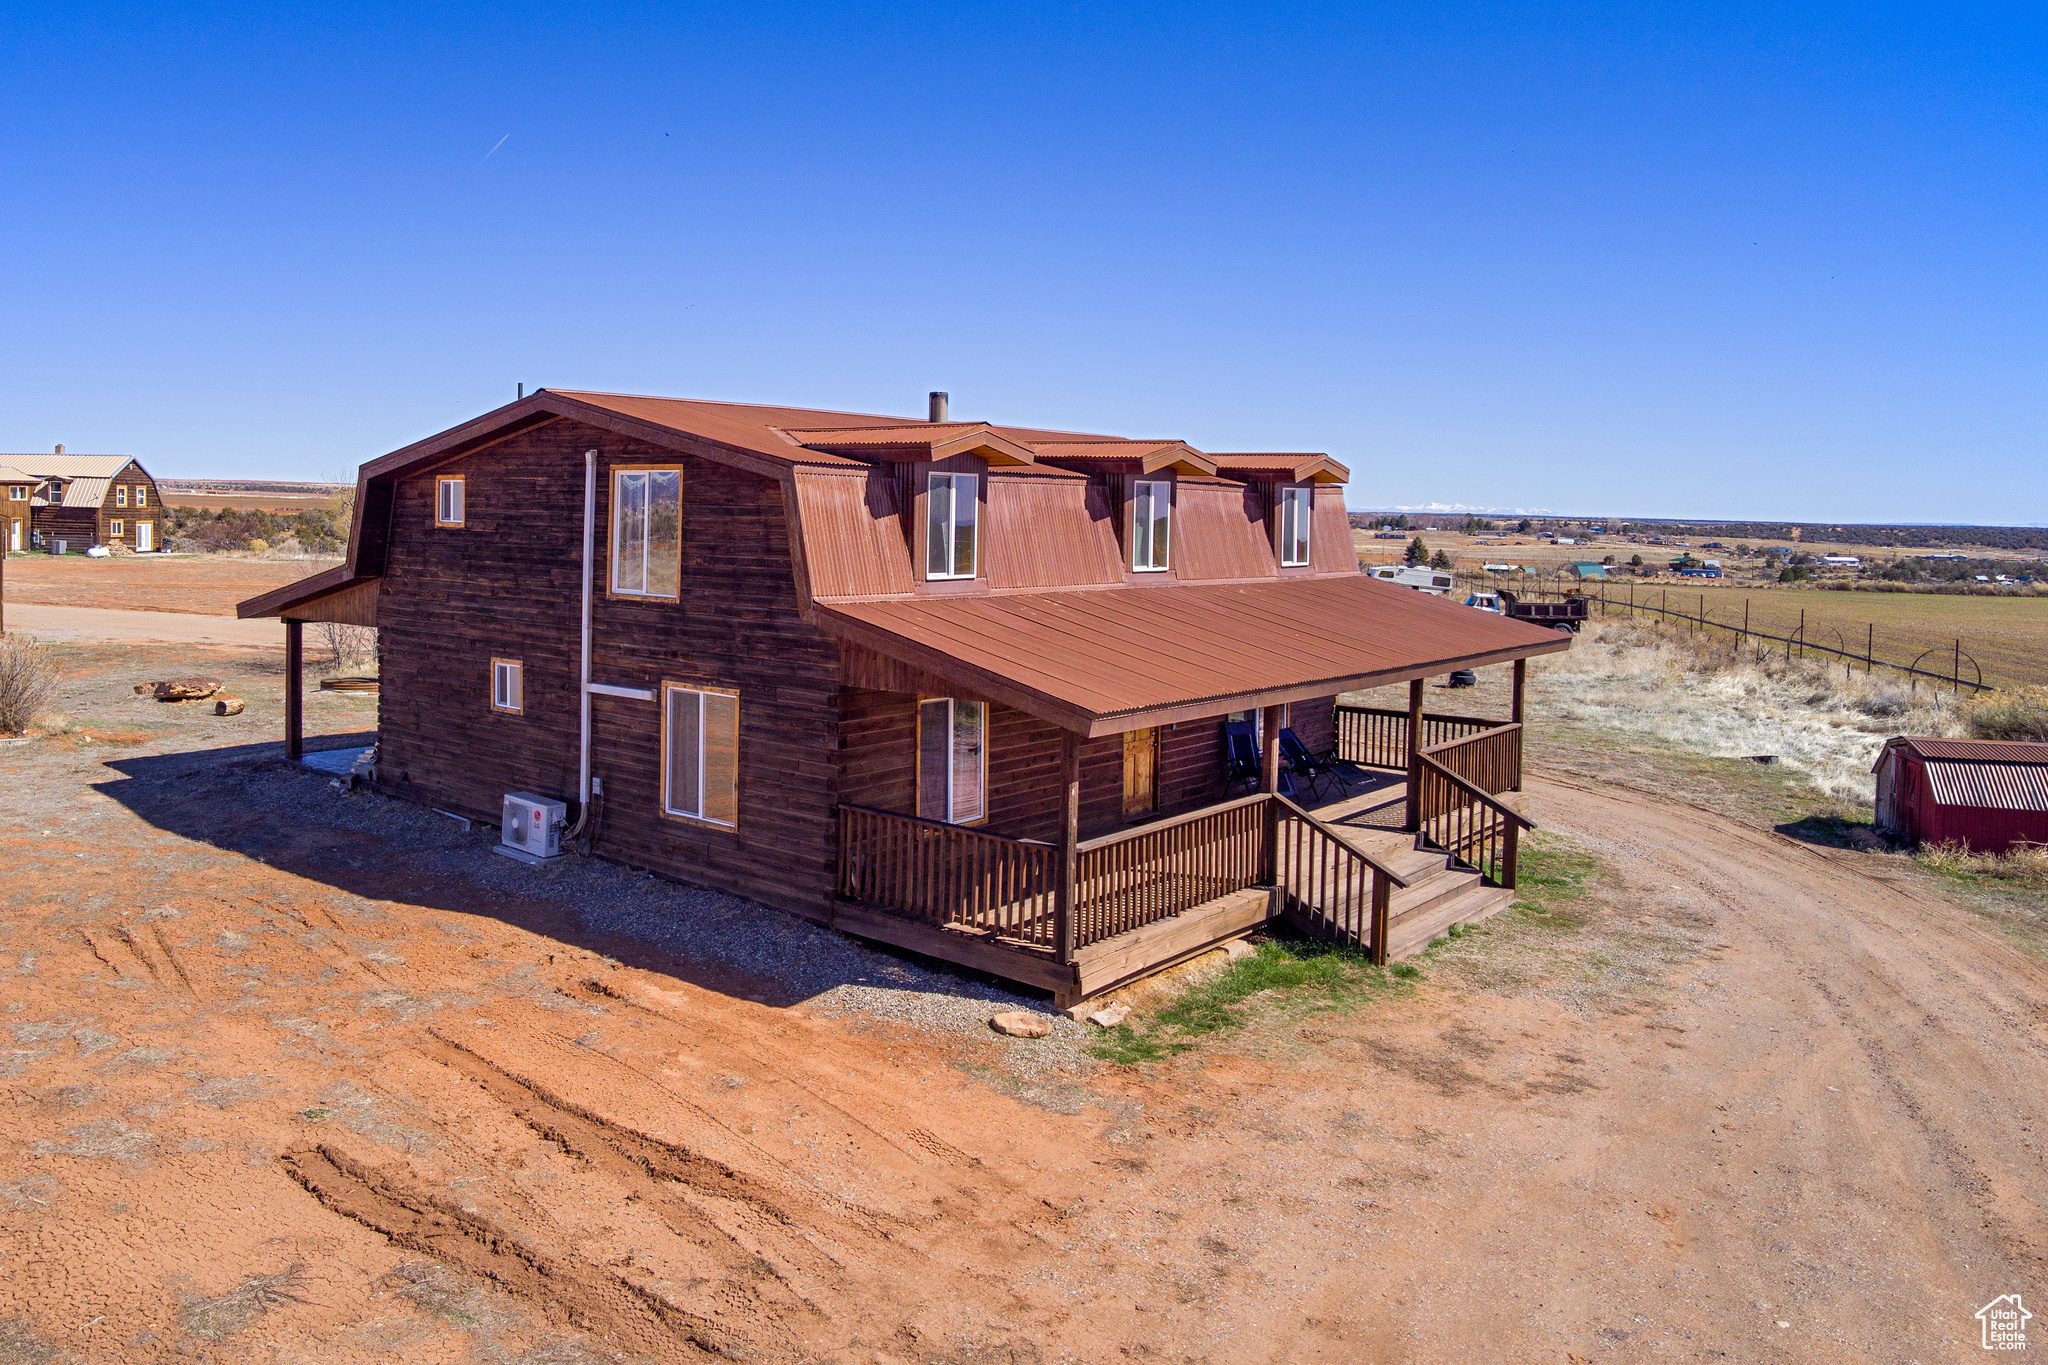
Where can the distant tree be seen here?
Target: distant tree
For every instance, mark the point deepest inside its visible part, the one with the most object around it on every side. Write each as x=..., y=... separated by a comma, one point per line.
x=1636, y=561
x=1439, y=560
x=1399, y=523
x=1417, y=551
x=1608, y=560
x=1523, y=527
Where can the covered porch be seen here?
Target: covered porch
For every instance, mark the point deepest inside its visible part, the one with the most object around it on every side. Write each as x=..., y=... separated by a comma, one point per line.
x=1424, y=835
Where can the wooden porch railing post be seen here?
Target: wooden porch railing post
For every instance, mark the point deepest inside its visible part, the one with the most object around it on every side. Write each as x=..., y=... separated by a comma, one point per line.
x=294, y=688
x=1511, y=843
x=1414, y=821
x=1382, y=908
x=1070, y=839
x=1269, y=785
x=1521, y=681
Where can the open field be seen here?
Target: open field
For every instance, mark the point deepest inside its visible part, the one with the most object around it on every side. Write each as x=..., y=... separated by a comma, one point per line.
x=295, y=1074
x=2008, y=636
x=206, y=584
x=249, y=502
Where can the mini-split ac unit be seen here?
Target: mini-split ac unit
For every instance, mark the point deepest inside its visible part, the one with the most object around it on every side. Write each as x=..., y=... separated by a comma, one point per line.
x=532, y=826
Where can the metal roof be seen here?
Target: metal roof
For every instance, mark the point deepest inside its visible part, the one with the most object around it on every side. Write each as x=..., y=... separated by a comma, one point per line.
x=70, y=466
x=1117, y=659
x=1973, y=750
x=90, y=493
x=1993, y=786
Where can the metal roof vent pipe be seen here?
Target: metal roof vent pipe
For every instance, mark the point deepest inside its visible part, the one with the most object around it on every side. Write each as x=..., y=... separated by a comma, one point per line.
x=939, y=405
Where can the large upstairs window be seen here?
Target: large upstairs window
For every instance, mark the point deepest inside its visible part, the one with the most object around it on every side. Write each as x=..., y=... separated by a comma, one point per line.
x=1297, y=514
x=952, y=770
x=950, y=527
x=1151, y=524
x=647, y=532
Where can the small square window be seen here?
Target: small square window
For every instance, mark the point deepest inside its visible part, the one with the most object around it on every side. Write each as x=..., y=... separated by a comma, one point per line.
x=141, y=496
x=508, y=688
x=117, y=528
x=18, y=493
x=121, y=495
x=448, y=500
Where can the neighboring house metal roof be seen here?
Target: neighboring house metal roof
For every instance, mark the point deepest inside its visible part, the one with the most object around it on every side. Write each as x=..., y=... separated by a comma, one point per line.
x=1107, y=660
x=86, y=493
x=1990, y=786
x=9, y=474
x=70, y=466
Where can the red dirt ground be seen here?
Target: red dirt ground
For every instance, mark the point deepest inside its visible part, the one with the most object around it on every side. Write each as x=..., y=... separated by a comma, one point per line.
x=205, y=584
x=287, y=1079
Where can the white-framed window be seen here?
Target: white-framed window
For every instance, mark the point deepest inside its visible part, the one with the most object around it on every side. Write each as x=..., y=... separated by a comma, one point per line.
x=121, y=495
x=448, y=500
x=141, y=496
x=700, y=754
x=952, y=543
x=117, y=528
x=1297, y=514
x=647, y=531
x=508, y=686
x=1151, y=524
x=952, y=760
x=18, y=493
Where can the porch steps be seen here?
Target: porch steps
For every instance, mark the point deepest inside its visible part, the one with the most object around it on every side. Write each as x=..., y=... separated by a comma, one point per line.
x=1410, y=934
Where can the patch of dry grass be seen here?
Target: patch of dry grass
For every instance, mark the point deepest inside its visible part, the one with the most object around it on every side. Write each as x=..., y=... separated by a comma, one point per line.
x=28, y=681
x=2019, y=714
x=1711, y=697
x=2025, y=866
x=220, y=1317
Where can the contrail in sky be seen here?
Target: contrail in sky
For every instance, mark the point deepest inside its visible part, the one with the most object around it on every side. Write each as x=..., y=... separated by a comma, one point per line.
x=494, y=149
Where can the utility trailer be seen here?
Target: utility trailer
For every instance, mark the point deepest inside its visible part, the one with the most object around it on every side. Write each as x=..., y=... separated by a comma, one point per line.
x=1568, y=614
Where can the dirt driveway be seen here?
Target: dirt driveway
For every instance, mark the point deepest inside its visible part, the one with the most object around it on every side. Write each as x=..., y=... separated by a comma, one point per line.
x=295, y=1075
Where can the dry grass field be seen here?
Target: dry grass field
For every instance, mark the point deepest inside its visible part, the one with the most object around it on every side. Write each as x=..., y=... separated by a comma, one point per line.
x=206, y=584
x=2008, y=636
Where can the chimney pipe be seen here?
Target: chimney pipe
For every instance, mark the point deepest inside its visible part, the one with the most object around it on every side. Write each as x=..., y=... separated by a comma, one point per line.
x=938, y=405
x=60, y=450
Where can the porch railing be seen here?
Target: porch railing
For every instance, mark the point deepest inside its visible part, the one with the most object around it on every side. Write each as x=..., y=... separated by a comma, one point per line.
x=1132, y=878
x=1455, y=807
x=947, y=875
x=1379, y=738
x=1331, y=890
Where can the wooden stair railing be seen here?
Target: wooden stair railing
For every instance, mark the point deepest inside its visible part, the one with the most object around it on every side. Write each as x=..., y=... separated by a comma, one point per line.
x=1378, y=738
x=1331, y=889
x=1467, y=824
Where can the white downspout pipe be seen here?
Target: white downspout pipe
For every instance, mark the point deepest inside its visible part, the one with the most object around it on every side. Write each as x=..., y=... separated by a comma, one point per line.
x=583, y=688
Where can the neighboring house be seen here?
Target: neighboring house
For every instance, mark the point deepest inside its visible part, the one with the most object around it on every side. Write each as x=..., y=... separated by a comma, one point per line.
x=17, y=486
x=83, y=501
x=1986, y=794
x=961, y=687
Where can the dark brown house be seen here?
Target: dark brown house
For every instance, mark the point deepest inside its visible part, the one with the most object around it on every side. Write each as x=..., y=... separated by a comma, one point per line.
x=965, y=688
x=81, y=501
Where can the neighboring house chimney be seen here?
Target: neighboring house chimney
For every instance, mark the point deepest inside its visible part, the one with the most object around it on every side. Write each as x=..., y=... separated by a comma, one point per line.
x=60, y=450
x=938, y=406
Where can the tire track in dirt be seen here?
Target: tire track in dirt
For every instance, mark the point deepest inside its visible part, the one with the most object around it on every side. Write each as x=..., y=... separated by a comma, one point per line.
x=567, y=1291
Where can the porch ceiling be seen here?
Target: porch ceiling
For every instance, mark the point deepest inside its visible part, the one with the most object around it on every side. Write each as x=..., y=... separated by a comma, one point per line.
x=1102, y=662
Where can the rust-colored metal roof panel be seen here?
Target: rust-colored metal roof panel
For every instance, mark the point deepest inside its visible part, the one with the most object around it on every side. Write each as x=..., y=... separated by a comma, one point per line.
x=1989, y=786
x=1222, y=531
x=1295, y=465
x=852, y=532
x=1115, y=659
x=1975, y=750
x=1046, y=533
x=1330, y=547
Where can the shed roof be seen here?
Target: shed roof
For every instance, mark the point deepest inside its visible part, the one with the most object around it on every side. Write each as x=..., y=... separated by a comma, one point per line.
x=1109, y=660
x=1972, y=750
x=1989, y=786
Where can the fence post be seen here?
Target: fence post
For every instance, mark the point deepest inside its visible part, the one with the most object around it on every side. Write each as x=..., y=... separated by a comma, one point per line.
x=1869, y=646
x=1957, y=689
x=1269, y=784
x=1070, y=838
x=294, y=688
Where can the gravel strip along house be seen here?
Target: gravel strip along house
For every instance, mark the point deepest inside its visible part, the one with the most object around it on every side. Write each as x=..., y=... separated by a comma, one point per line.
x=970, y=689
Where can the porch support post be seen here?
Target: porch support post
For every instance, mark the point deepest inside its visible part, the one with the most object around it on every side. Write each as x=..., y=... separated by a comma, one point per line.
x=1070, y=838
x=1521, y=679
x=294, y=688
x=1414, y=821
x=1269, y=783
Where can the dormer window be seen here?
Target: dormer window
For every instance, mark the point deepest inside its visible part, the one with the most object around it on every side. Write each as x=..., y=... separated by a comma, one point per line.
x=949, y=521
x=1297, y=514
x=1151, y=524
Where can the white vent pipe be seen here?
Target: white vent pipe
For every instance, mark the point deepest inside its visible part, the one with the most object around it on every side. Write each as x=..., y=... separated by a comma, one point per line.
x=583, y=685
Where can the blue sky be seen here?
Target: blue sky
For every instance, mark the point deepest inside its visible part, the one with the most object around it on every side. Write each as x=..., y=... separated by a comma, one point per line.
x=1766, y=262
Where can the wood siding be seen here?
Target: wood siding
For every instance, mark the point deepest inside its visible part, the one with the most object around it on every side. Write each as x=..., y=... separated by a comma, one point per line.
x=84, y=526
x=507, y=583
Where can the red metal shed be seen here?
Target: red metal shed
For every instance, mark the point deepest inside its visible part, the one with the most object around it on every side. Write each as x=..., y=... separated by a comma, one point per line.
x=1985, y=794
